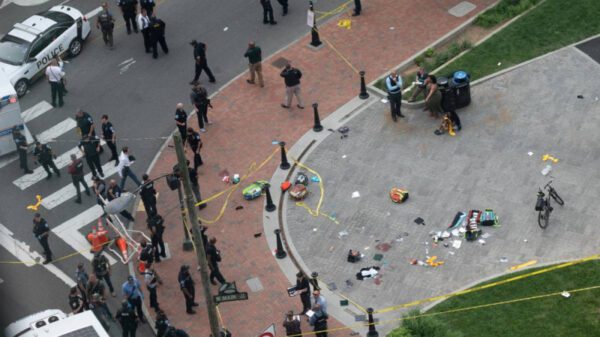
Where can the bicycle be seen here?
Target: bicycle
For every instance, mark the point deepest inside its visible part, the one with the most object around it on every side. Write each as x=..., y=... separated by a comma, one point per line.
x=543, y=205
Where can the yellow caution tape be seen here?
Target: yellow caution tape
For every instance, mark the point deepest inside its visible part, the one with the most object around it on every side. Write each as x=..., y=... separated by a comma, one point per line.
x=523, y=265
x=37, y=204
x=345, y=23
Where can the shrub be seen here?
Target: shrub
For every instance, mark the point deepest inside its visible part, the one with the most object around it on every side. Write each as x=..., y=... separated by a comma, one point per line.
x=428, y=326
x=429, y=52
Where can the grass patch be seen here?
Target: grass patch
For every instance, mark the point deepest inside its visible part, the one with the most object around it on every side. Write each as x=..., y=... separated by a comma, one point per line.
x=504, y=10
x=550, y=26
x=550, y=316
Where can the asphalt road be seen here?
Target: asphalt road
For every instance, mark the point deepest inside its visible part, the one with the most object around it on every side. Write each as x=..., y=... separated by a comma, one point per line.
x=140, y=102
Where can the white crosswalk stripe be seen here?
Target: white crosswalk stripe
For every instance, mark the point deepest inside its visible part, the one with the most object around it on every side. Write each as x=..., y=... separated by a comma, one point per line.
x=28, y=180
x=68, y=192
x=35, y=111
x=56, y=130
x=69, y=232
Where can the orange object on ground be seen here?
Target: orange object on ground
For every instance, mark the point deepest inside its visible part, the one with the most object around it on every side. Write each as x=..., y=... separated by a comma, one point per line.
x=122, y=245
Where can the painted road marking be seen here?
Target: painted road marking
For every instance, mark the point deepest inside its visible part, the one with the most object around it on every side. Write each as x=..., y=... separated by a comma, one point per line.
x=69, y=232
x=68, y=192
x=93, y=13
x=56, y=130
x=22, y=252
x=39, y=173
x=35, y=111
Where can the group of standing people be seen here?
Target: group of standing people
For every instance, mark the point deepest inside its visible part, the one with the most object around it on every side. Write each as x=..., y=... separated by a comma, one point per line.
x=315, y=307
x=146, y=22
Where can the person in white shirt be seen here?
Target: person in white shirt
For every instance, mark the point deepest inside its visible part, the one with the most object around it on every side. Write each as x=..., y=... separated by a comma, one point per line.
x=54, y=75
x=125, y=160
x=143, y=21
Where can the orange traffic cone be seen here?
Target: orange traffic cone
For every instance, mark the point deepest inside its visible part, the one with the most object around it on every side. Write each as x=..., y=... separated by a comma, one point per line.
x=122, y=245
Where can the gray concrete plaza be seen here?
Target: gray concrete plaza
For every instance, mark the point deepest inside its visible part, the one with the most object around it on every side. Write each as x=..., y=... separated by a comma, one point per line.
x=533, y=108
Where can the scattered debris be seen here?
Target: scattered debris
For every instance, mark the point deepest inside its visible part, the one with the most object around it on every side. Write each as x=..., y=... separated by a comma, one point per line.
x=499, y=64
x=236, y=178
x=315, y=179
x=420, y=221
x=456, y=244
x=332, y=286
x=257, y=235
x=343, y=233
x=343, y=303
x=239, y=207
x=384, y=247
x=378, y=257
x=547, y=157
x=225, y=29
x=354, y=256
x=344, y=157
x=580, y=96
x=503, y=259
x=355, y=195
x=349, y=283
x=482, y=241
x=314, y=229
x=432, y=262
x=369, y=272
x=384, y=101
x=565, y=294
x=530, y=153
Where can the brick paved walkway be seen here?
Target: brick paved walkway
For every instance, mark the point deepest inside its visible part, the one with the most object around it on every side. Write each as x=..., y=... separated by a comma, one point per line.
x=247, y=119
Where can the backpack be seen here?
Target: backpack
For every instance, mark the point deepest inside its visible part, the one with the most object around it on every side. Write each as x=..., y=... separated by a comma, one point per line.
x=254, y=190
x=398, y=195
x=488, y=218
x=106, y=21
x=301, y=178
x=298, y=192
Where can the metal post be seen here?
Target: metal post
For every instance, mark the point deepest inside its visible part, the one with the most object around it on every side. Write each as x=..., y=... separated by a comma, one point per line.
x=270, y=207
x=315, y=41
x=187, y=243
x=363, y=87
x=213, y=319
x=317, y=127
x=372, y=331
x=314, y=281
x=284, y=162
x=279, y=253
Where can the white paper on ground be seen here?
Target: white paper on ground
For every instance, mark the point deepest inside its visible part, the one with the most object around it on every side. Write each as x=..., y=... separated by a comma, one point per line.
x=384, y=100
x=355, y=194
x=565, y=294
x=456, y=244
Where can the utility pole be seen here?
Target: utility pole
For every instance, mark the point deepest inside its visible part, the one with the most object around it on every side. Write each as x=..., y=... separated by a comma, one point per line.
x=200, y=249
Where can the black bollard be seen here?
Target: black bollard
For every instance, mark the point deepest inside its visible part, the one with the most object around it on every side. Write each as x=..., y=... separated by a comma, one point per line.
x=270, y=207
x=363, y=87
x=279, y=252
x=372, y=331
x=315, y=41
x=284, y=162
x=314, y=281
x=318, y=127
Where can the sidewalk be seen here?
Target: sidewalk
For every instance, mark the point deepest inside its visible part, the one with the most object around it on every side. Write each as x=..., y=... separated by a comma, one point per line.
x=246, y=121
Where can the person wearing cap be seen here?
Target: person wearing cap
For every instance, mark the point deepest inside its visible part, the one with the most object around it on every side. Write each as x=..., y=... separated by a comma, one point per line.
x=44, y=155
x=85, y=123
x=291, y=324
x=101, y=268
x=41, y=230
x=393, y=84
x=157, y=35
x=254, y=55
x=291, y=77
x=148, y=195
x=201, y=103
x=133, y=294
x=303, y=288
x=201, y=62
x=75, y=169
x=186, y=284
x=181, y=121
x=22, y=146
x=267, y=12
x=195, y=143
x=109, y=135
x=127, y=319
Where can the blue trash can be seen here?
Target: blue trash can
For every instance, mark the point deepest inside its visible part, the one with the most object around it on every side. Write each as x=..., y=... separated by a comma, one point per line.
x=462, y=88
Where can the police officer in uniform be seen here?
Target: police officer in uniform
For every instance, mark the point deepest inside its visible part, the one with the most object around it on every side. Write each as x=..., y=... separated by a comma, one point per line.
x=45, y=158
x=102, y=270
x=201, y=102
x=143, y=21
x=187, y=288
x=148, y=5
x=41, y=230
x=75, y=169
x=110, y=137
x=195, y=185
x=267, y=12
x=157, y=228
x=127, y=318
x=106, y=24
x=181, y=121
x=161, y=323
x=114, y=191
x=201, y=62
x=148, y=194
x=195, y=144
x=157, y=35
x=85, y=123
x=213, y=255
x=90, y=146
x=129, y=9
x=21, y=143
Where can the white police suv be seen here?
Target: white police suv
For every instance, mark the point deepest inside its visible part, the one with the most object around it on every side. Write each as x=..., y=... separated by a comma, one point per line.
x=28, y=48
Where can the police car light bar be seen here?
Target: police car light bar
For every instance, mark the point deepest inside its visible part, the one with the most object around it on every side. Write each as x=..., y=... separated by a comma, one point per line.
x=28, y=29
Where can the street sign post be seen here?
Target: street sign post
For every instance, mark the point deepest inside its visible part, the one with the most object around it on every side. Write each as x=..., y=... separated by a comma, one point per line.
x=228, y=293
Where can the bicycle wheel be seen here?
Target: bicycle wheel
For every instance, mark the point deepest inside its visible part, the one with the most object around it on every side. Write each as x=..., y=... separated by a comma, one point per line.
x=556, y=197
x=542, y=220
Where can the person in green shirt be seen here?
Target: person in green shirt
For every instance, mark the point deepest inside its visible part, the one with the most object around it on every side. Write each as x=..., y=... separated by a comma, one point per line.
x=254, y=55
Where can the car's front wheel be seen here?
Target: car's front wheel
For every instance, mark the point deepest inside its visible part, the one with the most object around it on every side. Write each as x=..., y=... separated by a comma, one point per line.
x=21, y=87
x=75, y=47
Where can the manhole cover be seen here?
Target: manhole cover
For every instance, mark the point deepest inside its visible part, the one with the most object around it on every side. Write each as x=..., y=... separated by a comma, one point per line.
x=280, y=62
